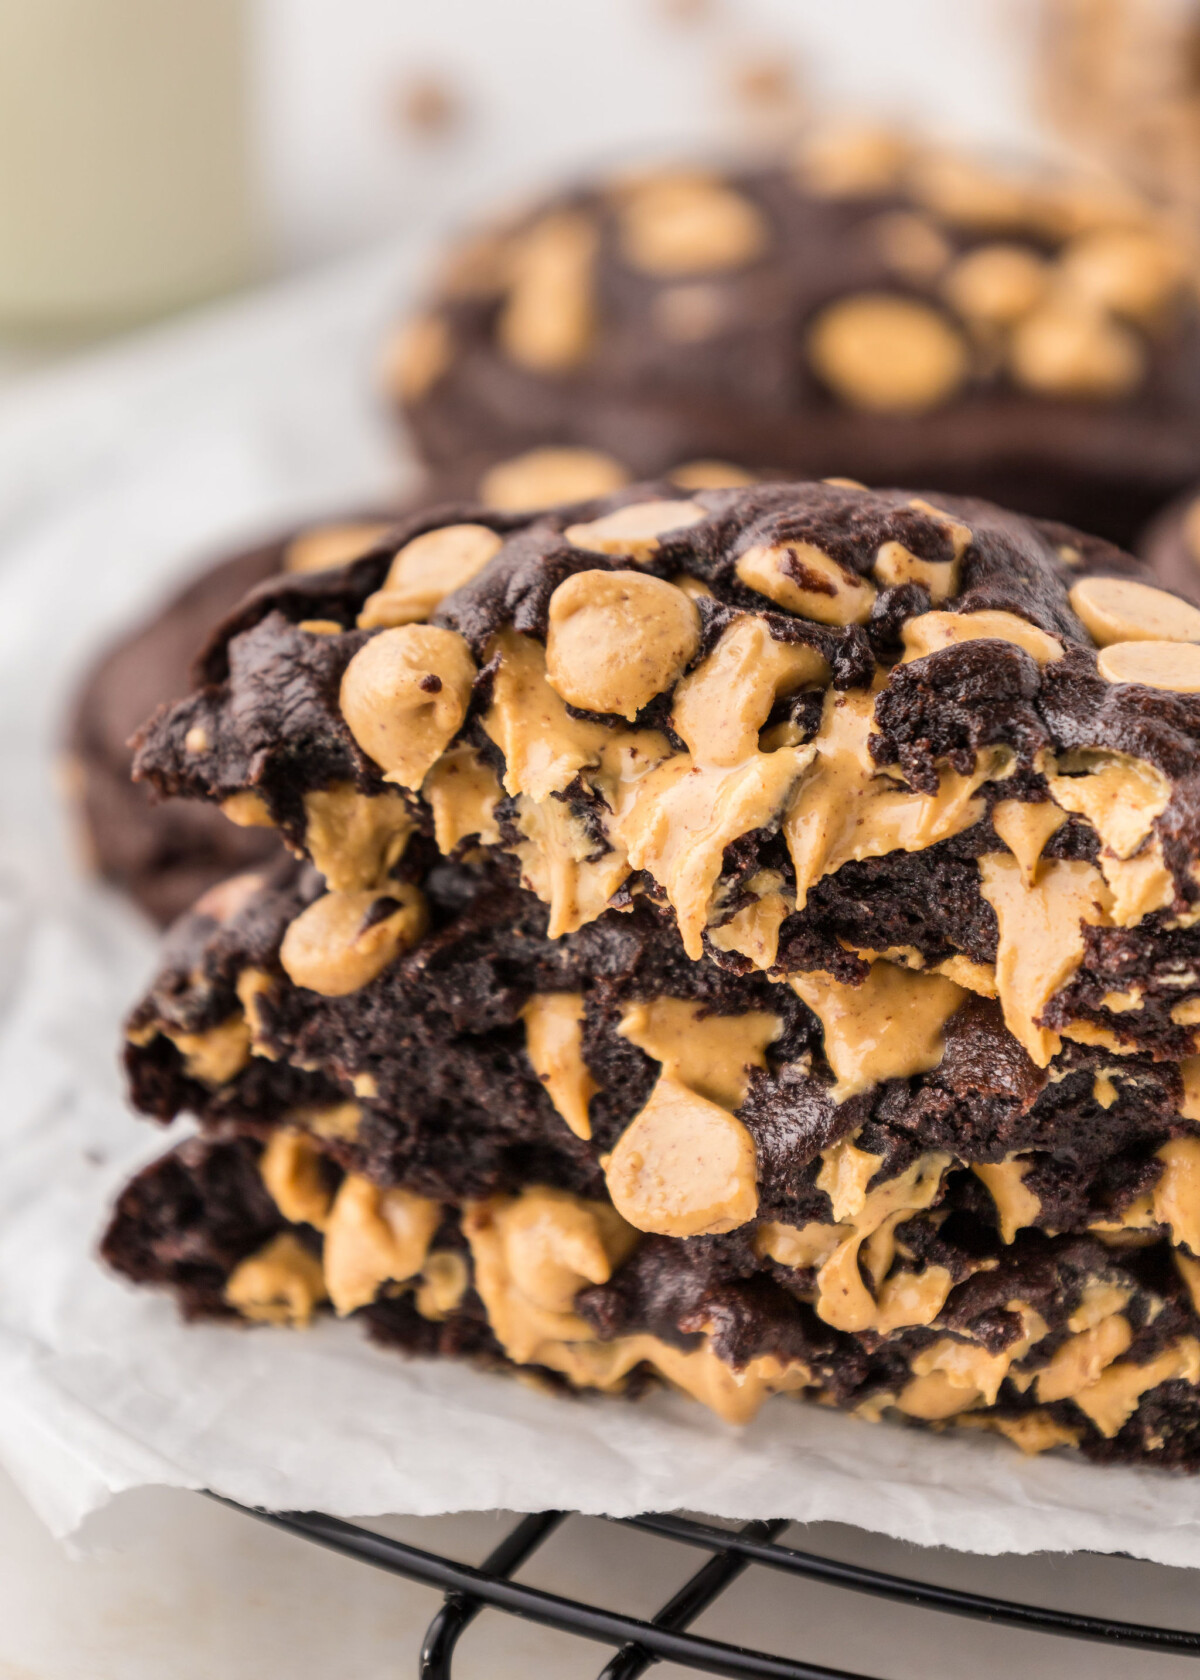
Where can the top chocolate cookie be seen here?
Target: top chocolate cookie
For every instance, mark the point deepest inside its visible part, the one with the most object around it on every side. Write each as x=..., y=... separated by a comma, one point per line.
x=764, y=708
x=869, y=308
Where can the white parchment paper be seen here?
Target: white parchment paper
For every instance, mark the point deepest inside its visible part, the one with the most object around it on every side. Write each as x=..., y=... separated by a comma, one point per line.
x=115, y=477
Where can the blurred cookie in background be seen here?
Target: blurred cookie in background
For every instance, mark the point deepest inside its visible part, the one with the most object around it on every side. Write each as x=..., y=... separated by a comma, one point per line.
x=870, y=307
x=1171, y=545
x=164, y=856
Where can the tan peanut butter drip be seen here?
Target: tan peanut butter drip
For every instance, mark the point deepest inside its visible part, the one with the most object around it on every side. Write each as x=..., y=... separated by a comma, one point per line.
x=616, y=639
x=216, y=1055
x=1081, y=1358
x=247, y=810
x=1104, y=1090
x=404, y=696
x=1016, y=1206
x=1032, y=1432
x=355, y=839
x=710, y=1054
x=864, y=1218
x=462, y=791
x=1115, y=1395
x=1176, y=1195
x=888, y=1027
x=721, y=706
x=1173, y=666
x=282, y=1284
x=1189, y=1271
x=804, y=579
x=1120, y=610
x=633, y=532
x=252, y=985
x=931, y=632
x=684, y=1166
x=330, y=1120
x=325, y=546
x=1138, y=885
x=342, y=942
x=844, y=809
x=554, y=1044
x=542, y=477
x=895, y=564
x=689, y=223
x=548, y=320
x=291, y=1171
x=374, y=1237
x=753, y=932
x=1025, y=827
x=888, y=354
x=444, y=1280
x=559, y=862
x=979, y=978
x=678, y=820
x=968, y=1368
x=1120, y=796
x=533, y=1253
x=1041, y=939
x=425, y=571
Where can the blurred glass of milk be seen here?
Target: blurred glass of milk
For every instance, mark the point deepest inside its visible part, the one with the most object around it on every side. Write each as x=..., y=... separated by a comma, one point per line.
x=125, y=172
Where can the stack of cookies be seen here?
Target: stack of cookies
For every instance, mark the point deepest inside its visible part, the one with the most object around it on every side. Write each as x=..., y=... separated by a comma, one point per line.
x=745, y=938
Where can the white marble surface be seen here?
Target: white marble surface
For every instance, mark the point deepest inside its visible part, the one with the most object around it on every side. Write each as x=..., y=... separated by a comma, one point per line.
x=173, y=1587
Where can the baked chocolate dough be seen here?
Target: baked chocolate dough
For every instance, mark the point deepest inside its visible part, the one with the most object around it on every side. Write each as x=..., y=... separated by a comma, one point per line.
x=867, y=307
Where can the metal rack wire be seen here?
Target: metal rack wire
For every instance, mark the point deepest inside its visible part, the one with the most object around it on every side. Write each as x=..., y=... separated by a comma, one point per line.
x=639, y=1644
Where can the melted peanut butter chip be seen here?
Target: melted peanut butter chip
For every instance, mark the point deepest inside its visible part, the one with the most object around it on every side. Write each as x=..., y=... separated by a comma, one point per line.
x=425, y=571
x=1062, y=350
x=1174, y=666
x=355, y=839
x=282, y=1284
x=1016, y=1207
x=548, y=321
x=616, y=639
x=374, y=1237
x=216, y=1055
x=683, y=1167
x=1120, y=796
x=326, y=546
x=710, y=1054
x=542, y=477
x=930, y=632
x=685, y=224
x=888, y=1027
x=866, y=1237
x=1041, y=939
x=291, y=1171
x=1120, y=610
x=462, y=791
x=247, y=810
x=633, y=531
x=1176, y=1195
x=996, y=284
x=722, y=705
x=404, y=696
x=554, y=1044
x=1077, y=1363
x=343, y=941
x=417, y=357
x=1025, y=826
x=1114, y=1397
x=887, y=354
x=807, y=581
x=559, y=862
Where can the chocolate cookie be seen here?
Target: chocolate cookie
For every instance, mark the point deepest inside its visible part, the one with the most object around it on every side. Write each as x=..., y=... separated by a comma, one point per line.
x=165, y=855
x=868, y=307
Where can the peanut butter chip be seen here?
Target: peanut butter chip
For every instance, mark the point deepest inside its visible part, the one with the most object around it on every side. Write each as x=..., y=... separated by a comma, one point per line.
x=247, y=810
x=373, y=1237
x=1120, y=610
x=996, y=284
x=722, y=705
x=685, y=224
x=1063, y=350
x=1174, y=666
x=1131, y=271
x=548, y=321
x=331, y=545
x=281, y=1284
x=891, y=355
x=683, y=1167
x=344, y=940
x=404, y=696
x=417, y=357
x=291, y=1171
x=711, y=475
x=807, y=581
x=616, y=639
x=634, y=530
x=542, y=477
x=911, y=245
x=425, y=571
x=852, y=162
x=930, y=632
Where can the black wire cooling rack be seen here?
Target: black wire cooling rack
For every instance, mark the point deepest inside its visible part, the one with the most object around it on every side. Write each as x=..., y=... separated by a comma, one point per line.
x=638, y=1644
